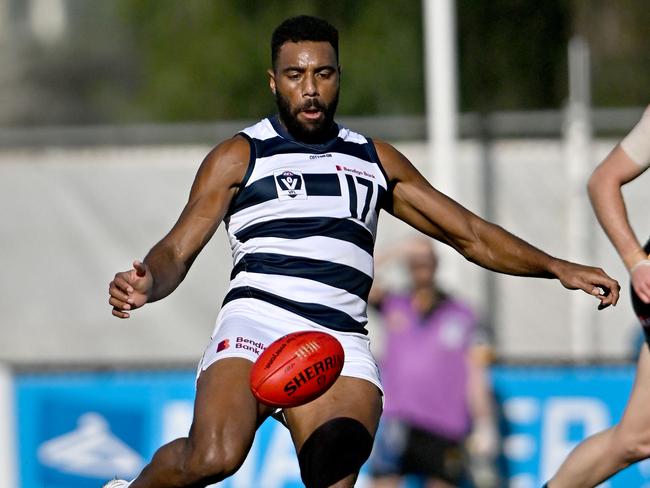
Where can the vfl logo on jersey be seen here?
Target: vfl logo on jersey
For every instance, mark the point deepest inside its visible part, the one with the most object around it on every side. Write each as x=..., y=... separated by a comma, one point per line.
x=290, y=185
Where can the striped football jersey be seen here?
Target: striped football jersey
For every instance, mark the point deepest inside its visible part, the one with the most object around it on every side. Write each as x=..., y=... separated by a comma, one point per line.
x=302, y=227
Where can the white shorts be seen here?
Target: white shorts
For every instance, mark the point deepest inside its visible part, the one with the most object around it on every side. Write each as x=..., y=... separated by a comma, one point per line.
x=237, y=335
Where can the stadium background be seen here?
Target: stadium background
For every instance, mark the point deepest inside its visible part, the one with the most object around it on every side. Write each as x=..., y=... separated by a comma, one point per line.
x=106, y=110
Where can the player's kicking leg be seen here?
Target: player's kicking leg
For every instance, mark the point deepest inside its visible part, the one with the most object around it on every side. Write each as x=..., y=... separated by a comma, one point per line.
x=606, y=453
x=226, y=416
x=333, y=434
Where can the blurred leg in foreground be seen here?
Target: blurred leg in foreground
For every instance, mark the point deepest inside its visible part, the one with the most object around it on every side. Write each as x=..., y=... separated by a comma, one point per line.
x=604, y=454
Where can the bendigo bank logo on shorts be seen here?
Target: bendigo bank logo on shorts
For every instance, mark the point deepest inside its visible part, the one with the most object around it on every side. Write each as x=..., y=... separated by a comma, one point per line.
x=316, y=371
x=290, y=185
x=242, y=343
x=249, y=345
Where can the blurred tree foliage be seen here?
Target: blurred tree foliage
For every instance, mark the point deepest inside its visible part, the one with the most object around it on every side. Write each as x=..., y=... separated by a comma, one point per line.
x=204, y=59
x=171, y=60
x=86, y=76
x=512, y=54
x=618, y=34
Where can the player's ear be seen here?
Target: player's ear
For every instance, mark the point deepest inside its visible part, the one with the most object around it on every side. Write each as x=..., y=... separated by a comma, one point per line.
x=271, y=75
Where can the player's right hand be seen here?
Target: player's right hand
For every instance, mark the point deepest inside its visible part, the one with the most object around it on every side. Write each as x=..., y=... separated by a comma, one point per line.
x=130, y=289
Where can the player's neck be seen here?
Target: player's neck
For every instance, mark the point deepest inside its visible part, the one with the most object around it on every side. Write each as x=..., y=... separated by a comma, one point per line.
x=323, y=137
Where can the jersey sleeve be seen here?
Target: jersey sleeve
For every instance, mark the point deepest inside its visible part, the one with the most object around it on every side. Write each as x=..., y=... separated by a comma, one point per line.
x=637, y=143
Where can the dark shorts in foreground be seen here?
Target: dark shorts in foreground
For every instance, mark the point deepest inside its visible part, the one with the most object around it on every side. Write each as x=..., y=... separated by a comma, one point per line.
x=642, y=310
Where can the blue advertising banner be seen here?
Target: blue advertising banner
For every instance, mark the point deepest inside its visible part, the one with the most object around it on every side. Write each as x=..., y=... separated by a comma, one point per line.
x=81, y=429
x=546, y=411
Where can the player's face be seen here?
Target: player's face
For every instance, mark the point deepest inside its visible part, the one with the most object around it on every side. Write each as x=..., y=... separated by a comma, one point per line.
x=305, y=82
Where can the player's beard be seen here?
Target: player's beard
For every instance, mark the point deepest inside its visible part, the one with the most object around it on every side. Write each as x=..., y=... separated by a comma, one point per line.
x=316, y=133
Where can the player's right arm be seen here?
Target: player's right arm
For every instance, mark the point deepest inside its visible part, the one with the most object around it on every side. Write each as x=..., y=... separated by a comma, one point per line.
x=627, y=161
x=167, y=263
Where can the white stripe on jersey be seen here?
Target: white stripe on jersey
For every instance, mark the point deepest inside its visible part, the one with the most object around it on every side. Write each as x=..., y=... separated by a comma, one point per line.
x=264, y=130
x=275, y=209
x=347, y=135
x=280, y=162
x=269, y=313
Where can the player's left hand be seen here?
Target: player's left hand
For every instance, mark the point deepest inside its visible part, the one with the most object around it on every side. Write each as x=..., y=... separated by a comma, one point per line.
x=593, y=281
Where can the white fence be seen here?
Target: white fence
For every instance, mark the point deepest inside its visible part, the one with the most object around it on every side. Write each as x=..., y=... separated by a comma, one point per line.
x=74, y=216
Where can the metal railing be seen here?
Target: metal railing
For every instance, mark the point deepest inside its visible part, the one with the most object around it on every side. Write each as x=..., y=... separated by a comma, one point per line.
x=539, y=123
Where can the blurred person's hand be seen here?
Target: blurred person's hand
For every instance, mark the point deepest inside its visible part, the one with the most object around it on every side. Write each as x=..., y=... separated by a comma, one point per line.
x=130, y=289
x=483, y=440
x=483, y=449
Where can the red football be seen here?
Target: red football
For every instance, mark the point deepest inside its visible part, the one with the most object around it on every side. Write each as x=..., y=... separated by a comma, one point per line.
x=296, y=369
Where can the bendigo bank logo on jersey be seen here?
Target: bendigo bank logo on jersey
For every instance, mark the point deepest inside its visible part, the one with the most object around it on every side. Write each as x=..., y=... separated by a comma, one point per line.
x=290, y=185
x=355, y=171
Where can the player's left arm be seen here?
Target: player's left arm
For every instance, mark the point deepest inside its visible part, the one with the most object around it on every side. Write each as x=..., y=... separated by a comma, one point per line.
x=416, y=202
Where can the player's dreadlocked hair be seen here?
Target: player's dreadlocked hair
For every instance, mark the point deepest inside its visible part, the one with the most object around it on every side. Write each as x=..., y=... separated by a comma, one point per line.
x=303, y=28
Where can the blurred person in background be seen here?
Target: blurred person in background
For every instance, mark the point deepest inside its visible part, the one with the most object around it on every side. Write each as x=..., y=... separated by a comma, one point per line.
x=604, y=454
x=300, y=197
x=439, y=410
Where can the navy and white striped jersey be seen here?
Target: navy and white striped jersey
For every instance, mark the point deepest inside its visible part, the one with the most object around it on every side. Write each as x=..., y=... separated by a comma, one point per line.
x=302, y=228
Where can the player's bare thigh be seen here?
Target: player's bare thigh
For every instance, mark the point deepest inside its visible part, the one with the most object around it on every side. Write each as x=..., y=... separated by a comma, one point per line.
x=352, y=407
x=226, y=416
x=349, y=397
x=225, y=411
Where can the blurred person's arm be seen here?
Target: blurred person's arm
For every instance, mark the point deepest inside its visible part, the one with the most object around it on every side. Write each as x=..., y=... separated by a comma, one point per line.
x=378, y=290
x=483, y=439
x=168, y=262
x=627, y=161
x=417, y=203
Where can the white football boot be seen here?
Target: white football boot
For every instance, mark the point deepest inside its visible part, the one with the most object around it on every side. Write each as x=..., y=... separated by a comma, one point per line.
x=117, y=484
